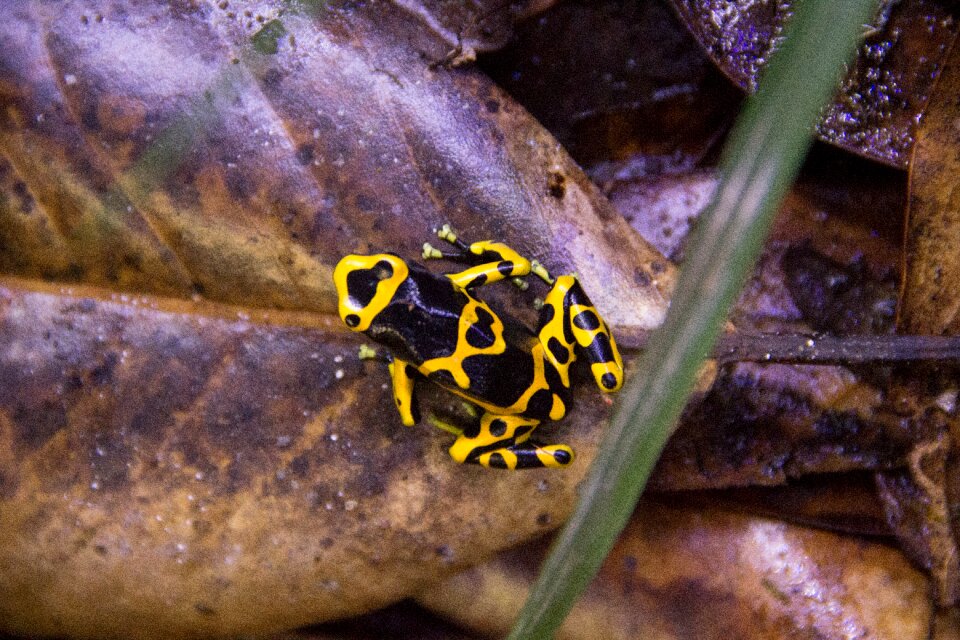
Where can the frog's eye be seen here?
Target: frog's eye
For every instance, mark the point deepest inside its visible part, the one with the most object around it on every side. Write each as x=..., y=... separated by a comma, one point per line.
x=382, y=270
x=361, y=289
x=362, y=283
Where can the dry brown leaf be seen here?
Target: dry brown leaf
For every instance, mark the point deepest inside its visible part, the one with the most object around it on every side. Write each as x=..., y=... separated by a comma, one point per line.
x=918, y=511
x=764, y=424
x=930, y=297
x=705, y=573
x=194, y=162
x=198, y=473
x=946, y=625
x=922, y=499
x=664, y=208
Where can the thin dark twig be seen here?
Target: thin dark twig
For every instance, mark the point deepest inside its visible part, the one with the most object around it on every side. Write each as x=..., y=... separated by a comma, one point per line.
x=824, y=349
x=798, y=348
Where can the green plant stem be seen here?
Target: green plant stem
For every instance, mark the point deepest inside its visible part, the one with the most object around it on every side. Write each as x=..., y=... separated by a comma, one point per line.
x=765, y=150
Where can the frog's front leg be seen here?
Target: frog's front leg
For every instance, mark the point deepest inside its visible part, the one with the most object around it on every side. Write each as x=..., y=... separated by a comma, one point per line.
x=402, y=374
x=489, y=273
x=503, y=442
x=492, y=261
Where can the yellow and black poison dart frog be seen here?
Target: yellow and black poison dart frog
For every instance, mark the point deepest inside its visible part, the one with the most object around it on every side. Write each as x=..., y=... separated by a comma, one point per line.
x=436, y=328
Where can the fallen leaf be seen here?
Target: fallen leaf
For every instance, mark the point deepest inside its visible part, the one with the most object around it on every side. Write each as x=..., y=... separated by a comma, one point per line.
x=193, y=163
x=704, y=573
x=882, y=97
x=921, y=499
x=640, y=100
x=764, y=424
x=918, y=511
x=206, y=473
x=664, y=208
x=826, y=267
x=931, y=280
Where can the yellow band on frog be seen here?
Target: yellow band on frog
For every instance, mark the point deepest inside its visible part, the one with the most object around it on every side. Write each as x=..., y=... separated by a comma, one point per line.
x=354, y=314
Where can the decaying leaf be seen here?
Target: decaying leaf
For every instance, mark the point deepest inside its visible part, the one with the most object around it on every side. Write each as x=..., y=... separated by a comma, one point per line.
x=664, y=208
x=946, y=625
x=919, y=513
x=642, y=95
x=188, y=442
x=704, y=573
x=921, y=500
x=931, y=282
x=173, y=465
x=244, y=176
x=762, y=424
x=883, y=95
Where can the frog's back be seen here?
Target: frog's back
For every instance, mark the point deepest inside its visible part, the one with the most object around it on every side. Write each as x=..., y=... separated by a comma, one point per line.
x=499, y=366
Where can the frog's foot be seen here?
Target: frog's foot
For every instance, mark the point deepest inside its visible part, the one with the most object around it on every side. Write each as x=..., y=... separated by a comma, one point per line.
x=440, y=423
x=366, y=352
x=526, y=455
x=541, y=272
x=430, y=252
x=446, y=232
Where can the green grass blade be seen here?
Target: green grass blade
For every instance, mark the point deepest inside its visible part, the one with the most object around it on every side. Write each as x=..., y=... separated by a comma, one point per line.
x=765, y=150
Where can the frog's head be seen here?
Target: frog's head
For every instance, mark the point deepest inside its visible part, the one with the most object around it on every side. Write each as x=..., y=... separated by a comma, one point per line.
x=366, y=285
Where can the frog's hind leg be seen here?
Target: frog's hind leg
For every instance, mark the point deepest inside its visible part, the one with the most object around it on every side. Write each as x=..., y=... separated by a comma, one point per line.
x=571, y=325
x=527, y=455
x=503, y=442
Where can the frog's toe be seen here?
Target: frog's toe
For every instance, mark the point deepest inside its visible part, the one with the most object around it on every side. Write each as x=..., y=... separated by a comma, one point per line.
x=555, y=455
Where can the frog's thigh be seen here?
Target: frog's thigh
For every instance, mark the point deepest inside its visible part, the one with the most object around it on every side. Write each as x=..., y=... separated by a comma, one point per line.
x=502, y=442
x=492, y=432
